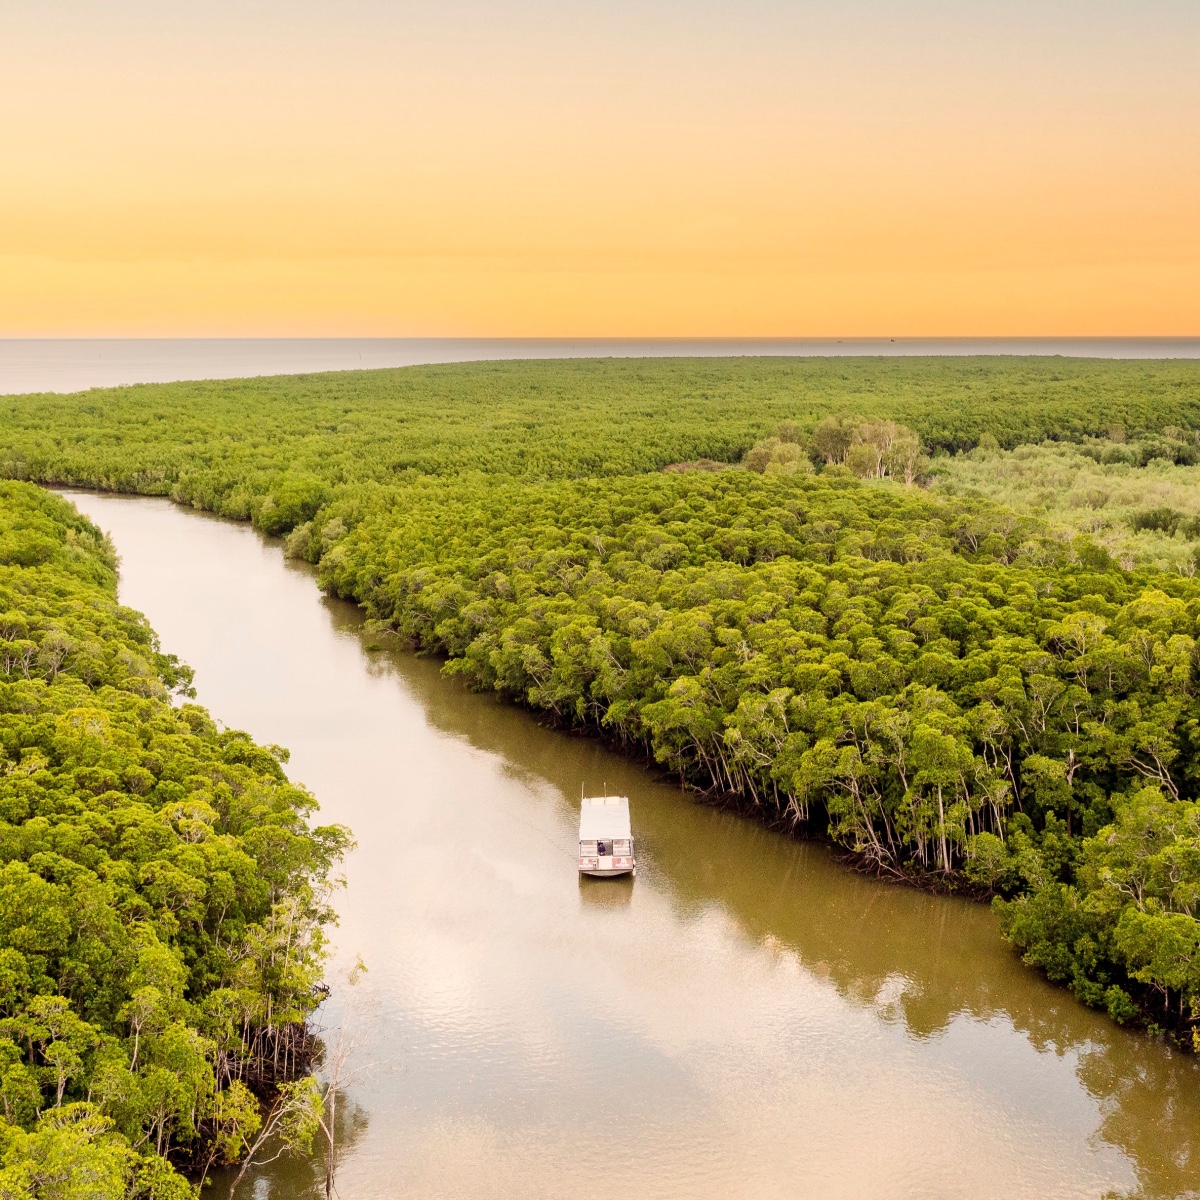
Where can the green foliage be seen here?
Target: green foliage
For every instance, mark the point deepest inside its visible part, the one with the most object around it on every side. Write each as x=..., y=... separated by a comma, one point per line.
x=802, y=641
x=1130, y=917
x=868, y=449
x=161, y=893
x=1138, y=501
x=251, y=448
x=70, y=1154
x=973, y=682
x=775, y=456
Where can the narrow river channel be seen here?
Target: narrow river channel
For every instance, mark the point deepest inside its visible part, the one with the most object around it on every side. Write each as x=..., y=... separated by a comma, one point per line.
x=747, y=1018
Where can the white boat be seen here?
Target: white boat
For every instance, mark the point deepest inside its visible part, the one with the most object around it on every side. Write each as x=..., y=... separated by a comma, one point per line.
x=605, y=839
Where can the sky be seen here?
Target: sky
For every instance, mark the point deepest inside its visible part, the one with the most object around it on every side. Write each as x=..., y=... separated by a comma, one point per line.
x=599, y=168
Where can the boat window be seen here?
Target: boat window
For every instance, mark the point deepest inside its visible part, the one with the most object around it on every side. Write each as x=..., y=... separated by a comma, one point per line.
x=622, y=847
x=587, y=849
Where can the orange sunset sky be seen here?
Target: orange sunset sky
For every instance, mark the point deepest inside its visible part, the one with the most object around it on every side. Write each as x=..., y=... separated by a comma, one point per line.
x=593, y=168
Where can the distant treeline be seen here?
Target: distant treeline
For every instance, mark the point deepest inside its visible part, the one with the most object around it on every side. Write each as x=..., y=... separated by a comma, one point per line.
x=951, y=687
x=229, y=445
x=161, y=893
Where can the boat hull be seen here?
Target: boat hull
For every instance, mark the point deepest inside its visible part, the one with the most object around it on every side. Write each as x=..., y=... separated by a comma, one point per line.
x=607, y=865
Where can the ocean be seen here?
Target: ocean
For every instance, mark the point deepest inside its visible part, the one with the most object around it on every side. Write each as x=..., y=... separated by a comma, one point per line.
x=75, y=364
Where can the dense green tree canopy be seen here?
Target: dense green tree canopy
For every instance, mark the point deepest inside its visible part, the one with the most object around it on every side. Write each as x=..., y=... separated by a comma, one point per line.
x=161, y=892
x=228, y=444
x=975, y=682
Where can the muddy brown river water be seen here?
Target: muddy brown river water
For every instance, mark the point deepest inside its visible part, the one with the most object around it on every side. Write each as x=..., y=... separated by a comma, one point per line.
x=746, y=1018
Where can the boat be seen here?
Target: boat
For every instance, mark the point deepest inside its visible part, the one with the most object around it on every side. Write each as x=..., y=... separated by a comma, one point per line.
x=605, y=838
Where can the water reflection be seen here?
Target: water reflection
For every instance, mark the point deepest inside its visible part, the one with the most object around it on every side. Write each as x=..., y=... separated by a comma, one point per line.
x=606, y=893
x=296, y=1174
x=746, y=1018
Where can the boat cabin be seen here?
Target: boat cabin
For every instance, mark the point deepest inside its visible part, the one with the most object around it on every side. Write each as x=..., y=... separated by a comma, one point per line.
x=605, y=840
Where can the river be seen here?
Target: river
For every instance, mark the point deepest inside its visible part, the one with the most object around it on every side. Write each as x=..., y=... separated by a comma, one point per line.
x=747, y=1018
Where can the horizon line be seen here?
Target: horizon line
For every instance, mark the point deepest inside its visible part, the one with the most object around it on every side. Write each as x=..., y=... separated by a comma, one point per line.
x=601, y=338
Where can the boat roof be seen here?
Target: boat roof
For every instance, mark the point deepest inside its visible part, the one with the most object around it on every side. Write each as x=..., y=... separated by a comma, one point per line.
x=603, y=817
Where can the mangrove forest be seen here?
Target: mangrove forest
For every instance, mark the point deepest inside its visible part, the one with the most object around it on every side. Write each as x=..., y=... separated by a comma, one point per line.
x=943, y=612
x=162, y=894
